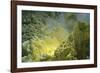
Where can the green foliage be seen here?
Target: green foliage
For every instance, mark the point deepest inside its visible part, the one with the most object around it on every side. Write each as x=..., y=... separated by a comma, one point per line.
x=65, y=52
x=51, y=36
x=32, y=24
x=80, y=39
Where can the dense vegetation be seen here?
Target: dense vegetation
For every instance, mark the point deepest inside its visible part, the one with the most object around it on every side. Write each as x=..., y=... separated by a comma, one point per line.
x=53, y=36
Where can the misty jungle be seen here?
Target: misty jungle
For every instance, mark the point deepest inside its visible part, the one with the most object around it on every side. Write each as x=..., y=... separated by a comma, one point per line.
x=55, y=36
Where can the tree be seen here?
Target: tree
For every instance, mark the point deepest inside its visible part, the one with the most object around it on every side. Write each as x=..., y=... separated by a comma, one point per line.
x=80, y=39
x=65, y=52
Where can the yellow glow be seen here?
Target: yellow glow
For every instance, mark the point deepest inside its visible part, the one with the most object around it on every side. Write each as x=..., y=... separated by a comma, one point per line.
x=49, y=44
